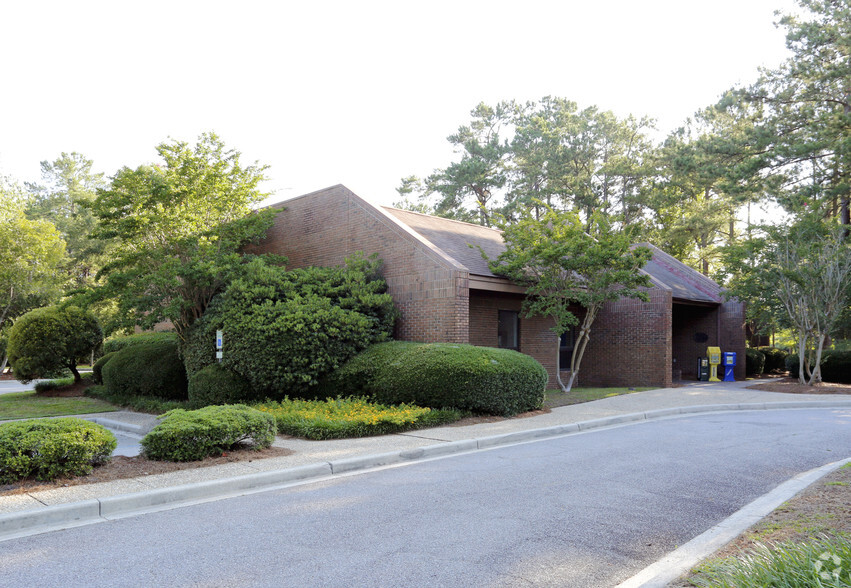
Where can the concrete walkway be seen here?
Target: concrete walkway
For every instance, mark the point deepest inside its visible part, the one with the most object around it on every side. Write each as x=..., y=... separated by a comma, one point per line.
x=24, y=514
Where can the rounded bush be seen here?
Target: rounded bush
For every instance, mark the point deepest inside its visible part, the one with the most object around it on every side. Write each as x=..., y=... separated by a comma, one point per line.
x=49, y=448
x=465, y=377
x=119, y=343
x=354, y=377
x=195, y=434
x=754, y=362
x=217, y=385
x=775, y=359
x=97, y=368
x=48, y=340
x=836, y=366
x=154, y=369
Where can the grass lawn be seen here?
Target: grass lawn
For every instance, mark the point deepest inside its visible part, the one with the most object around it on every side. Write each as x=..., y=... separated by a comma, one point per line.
x=27, y=405
x=555, y=398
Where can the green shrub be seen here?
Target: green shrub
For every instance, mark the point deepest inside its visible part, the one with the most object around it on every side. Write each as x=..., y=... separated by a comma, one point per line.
x=447, y=375
x=97, y=368
x=49, y=448
x=217, y=385
x=48, y=340
x=284, y=330
x=754, y=362
x=193, y=435
x=345, y=418
x=835, y=366
x=153, y=369
x=791, y=364
x=139, y=403
x=56, y=383
x=775, y=359
x=119, y=343
x=353, y=377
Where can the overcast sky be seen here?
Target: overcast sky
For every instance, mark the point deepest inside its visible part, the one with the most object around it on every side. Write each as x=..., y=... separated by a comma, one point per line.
x=354, y=92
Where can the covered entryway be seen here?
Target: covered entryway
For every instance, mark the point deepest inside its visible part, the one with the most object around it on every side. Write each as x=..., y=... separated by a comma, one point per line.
x=694, y=327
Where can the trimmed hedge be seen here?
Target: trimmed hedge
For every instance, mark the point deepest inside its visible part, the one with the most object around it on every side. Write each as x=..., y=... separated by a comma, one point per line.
x=152, y=369
x=354, y=377
x=775, y=359
x=119, y=343
x=835, y=366
x=97, y=367
x=754, y=362
x=217, y=385
x=448, y=375
x=49, y=448
x=193, y=435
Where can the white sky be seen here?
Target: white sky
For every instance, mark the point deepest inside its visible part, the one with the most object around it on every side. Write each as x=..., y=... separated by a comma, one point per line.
x=354, y=92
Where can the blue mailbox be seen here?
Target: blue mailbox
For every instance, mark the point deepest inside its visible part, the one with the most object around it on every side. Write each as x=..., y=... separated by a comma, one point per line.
x=728, y=360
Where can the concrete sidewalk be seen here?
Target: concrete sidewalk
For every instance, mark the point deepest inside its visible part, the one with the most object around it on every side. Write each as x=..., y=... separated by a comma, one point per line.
x=24, y=514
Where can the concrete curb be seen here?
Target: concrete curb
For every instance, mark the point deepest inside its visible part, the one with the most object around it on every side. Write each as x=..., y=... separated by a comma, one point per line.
x=56, y=517
x=680, y=561
x=130, y=428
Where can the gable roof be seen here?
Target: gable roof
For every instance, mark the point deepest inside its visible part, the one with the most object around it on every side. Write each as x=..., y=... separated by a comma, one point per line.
x=455, y=239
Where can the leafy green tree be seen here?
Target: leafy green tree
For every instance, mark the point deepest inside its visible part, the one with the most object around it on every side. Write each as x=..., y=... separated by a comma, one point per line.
x=180, y=227
x=31, y=256
x=803, y=280
x=412, y=186
x=803, y=136
x=563, y=263
x=469, y=189
x=68, y=183
x=586, y=159
x=47, y=340
x=513, y=156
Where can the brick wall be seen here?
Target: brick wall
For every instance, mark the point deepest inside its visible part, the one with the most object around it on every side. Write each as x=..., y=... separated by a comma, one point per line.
x=733, y=322
x=325, y=227
x=536, y=339
x=630, y=344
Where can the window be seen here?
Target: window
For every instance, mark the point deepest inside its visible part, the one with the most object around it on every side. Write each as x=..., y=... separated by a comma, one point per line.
x=565, y=348
x=508, y=331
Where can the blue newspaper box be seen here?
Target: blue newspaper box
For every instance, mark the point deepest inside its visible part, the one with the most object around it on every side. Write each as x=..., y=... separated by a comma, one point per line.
x=728, y=360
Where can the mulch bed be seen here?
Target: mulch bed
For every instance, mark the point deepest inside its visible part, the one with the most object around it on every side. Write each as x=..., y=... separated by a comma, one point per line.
x=792, y=386
x=121, y=467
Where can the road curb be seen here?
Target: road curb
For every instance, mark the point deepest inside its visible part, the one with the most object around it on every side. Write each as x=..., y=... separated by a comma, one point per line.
x=133, y=429
x=680, y=561
x=56, y=517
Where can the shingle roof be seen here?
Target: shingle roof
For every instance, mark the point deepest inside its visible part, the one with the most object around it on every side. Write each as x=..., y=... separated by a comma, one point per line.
x=685, y=283
x=455, y=237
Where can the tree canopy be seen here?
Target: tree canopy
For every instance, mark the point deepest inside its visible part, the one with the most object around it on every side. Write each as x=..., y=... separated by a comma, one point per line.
x=32, y=253
x=179, y=227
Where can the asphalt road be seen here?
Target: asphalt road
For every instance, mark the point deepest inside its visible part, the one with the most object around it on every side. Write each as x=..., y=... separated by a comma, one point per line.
x=590, y=509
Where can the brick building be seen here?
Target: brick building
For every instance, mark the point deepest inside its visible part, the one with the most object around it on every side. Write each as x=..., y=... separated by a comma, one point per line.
x=445, y=292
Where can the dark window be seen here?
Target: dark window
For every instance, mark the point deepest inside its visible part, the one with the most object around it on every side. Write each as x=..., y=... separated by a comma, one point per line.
x=509, y=330
x=565, y=348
